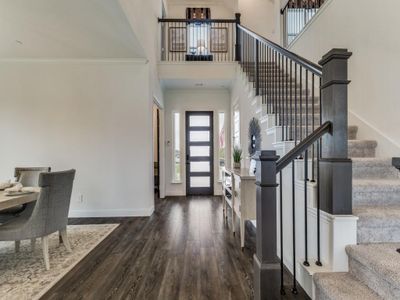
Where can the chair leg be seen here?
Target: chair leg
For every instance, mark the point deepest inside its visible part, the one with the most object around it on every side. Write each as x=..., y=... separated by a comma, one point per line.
x=33, y=244
x=64, y=236
x=45, y=247
x=17, y=246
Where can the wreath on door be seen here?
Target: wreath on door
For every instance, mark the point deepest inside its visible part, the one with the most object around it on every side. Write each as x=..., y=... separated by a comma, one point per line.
x=254, y=136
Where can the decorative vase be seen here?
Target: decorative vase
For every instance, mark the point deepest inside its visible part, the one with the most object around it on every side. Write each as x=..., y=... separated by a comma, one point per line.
x=236, y=165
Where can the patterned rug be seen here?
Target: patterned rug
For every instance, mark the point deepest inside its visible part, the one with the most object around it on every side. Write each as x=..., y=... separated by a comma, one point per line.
x=23, y=275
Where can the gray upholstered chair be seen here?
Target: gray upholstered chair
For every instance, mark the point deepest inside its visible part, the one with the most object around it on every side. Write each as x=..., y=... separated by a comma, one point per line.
x=49, y=215
x=27, y=177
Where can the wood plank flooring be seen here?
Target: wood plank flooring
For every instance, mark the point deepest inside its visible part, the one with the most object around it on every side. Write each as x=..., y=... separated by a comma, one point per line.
x=184, y=251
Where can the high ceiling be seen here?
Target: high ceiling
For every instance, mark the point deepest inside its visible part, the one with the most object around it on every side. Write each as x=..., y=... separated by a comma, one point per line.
x=46, y=29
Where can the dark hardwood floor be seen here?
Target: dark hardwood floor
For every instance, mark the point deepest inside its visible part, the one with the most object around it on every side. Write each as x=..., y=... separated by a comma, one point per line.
x=184, y=251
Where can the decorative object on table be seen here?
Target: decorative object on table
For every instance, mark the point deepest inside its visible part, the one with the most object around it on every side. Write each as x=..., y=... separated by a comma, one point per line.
x=254, y=137
x=5, y=184
x=219, y=39
x=27, y=176
x=237, y=157
x=22, y=275
x=177, y=39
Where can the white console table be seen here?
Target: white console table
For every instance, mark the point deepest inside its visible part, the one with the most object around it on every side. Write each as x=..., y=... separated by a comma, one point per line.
x=239, y=192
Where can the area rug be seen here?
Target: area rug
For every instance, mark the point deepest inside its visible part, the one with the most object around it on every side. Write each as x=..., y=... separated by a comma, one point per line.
x=23, y=275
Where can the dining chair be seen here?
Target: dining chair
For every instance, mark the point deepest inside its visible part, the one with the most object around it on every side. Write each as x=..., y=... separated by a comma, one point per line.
x=28, y=176
x=49, y=215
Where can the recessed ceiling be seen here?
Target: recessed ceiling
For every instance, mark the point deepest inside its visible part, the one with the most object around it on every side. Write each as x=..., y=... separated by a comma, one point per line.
x=90, y=29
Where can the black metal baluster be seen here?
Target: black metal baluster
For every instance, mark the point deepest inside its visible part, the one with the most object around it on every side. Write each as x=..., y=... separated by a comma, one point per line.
x=291, y=101
x=294, y=288
x=301, y=103
x=274, y=81
x=282, y=69
x=318, y=262
x=287, y=100
x=313, y=128
x=281, y=229
x=280, y=91
x=306, y=263
x=306, y=103
x=295, y=104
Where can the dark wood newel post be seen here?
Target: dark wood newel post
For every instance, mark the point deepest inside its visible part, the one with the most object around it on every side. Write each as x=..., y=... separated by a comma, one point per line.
x=266, y=262
x=335, y=166
x=237, y=45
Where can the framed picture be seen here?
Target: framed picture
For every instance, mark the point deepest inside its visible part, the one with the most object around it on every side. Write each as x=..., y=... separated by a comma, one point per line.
x=219, y=39
x=177, y=39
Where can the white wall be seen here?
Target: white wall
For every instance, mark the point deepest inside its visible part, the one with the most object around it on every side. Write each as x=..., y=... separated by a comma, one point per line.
x=94, y=116
x=182, y=100
x=371, y=33
x=241, y=97
x=261, y=16
x=143, y=17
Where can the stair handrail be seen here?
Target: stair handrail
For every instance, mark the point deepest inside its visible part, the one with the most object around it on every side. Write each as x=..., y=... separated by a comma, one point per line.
x=298, y=150
x=307, y=64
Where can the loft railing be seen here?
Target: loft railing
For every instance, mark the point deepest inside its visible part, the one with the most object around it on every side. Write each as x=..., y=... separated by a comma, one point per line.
x=296, y=14
x=198, y=39
x=307, y=103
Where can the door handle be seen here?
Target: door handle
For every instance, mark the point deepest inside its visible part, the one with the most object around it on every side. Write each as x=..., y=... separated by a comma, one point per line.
x=187, y=159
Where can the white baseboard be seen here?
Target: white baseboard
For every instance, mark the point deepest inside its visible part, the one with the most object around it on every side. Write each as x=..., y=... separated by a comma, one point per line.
x=110, y=213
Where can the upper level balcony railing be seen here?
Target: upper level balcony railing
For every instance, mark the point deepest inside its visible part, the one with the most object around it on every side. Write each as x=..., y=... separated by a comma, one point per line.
x=198, y=39
x=296, y=14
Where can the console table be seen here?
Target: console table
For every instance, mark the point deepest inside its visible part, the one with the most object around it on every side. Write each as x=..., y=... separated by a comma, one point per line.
x=239, y=193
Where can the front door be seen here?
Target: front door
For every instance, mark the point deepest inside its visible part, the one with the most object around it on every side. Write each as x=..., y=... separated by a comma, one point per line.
x=199, y=153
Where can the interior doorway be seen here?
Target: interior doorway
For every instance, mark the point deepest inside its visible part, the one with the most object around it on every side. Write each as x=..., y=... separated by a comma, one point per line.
x=199, y=153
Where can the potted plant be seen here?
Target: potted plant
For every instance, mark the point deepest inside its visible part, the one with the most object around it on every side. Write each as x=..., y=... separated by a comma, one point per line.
x=237, y=157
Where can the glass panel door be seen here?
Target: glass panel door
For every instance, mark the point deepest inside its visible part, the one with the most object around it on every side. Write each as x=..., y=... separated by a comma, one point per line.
x=199, y=153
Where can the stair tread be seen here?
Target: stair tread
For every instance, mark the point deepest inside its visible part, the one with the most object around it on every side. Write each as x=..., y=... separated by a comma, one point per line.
x=343, y=286
x=373, y=161
x=378, y=215
x=363, y=142
x=376, y=183
x=382, y=259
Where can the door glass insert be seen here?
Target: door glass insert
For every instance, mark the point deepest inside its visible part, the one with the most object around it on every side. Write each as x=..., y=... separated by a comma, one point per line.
x=199, y=136
x=201, y=181
x=199, y=166
x=199, y=121
x=197, y=151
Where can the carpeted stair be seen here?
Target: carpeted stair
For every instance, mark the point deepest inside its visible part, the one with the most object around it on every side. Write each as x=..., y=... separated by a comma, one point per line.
x=374, y=264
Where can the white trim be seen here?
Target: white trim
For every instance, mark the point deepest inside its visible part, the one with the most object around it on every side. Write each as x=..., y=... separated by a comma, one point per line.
x=75, y=60
x=110, y=213
x=316, y=16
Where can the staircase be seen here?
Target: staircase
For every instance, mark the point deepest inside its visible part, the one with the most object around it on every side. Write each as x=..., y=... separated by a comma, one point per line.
x=374, y=264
